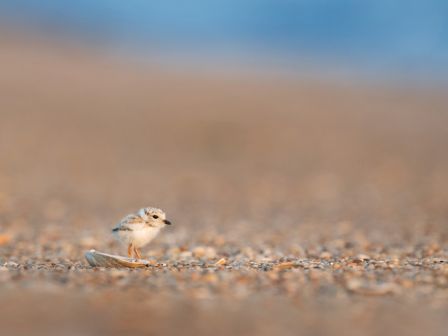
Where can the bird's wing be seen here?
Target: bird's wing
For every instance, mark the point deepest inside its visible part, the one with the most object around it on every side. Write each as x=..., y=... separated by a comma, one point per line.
x=128, y=223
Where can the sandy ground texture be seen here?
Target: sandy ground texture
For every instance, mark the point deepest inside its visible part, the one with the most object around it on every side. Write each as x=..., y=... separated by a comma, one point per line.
x=299, y=207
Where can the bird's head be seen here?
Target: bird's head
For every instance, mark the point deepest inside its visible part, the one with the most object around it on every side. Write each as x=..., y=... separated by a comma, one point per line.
x=154, y=217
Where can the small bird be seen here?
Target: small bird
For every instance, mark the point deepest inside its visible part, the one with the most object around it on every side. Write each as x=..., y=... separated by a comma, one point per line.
x=137, y=230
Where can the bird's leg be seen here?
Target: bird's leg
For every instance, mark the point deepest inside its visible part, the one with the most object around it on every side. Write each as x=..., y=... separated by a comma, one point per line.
x=137, y=253
x=130, y=250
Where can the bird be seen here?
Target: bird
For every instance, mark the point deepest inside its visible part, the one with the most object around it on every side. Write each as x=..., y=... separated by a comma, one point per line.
x=138, y=229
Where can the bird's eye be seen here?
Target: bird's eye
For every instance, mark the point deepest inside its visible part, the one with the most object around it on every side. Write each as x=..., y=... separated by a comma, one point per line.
x=155, y=216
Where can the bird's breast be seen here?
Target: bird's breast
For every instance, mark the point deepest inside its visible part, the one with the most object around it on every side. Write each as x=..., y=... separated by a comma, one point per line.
x=144, y=235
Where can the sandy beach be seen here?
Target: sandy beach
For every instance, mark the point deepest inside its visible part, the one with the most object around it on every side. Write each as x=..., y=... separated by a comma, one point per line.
x=311, y=207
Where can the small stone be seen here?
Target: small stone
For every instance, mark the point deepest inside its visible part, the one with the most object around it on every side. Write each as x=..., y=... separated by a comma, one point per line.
x=285, y=265
x=210, y=253
x=11, y=264
x=199, y=252
x=186, y=255
x=362, y=257
x=337, y=266
x=5, y=239
x=326, y=255
x=221, y=262
x=204, y=252
x=361, y=287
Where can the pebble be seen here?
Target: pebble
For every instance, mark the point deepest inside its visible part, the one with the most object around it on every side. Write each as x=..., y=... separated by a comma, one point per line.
x=362, y=257
x=362, y=287
x=5, y=239
x=285, y=265
x=221, y=262
x=204, y=252
x=326, y=255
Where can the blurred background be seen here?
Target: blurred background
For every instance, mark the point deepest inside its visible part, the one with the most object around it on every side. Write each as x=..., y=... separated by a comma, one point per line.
x=395, y=39
x=279, y=126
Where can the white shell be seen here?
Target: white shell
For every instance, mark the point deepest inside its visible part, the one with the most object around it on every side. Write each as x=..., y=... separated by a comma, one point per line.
x=100, y=259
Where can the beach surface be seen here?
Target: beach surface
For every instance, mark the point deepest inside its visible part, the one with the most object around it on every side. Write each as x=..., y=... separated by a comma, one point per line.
x=300, y=206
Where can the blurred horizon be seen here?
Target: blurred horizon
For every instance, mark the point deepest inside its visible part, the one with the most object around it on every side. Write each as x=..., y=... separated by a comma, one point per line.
x=372, y=38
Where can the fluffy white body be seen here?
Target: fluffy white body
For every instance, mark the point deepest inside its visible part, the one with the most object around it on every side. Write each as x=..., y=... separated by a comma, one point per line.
x=137, y=230
x=138, y=237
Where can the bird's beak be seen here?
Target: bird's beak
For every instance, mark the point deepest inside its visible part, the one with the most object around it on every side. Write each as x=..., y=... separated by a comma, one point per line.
x=167, y=222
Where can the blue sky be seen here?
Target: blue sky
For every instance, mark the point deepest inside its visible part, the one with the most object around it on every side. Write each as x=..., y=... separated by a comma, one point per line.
x=383, y=34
